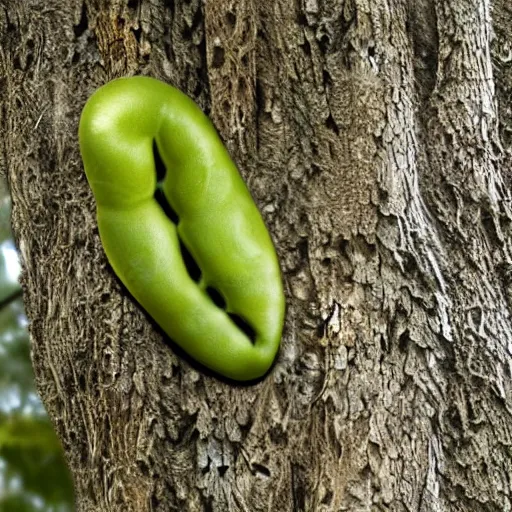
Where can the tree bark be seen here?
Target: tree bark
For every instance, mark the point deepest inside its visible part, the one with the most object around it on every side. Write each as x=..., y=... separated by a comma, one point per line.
x=375, y=138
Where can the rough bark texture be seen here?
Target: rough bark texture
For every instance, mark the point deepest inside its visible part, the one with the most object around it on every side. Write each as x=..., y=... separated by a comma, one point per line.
x=376, y=138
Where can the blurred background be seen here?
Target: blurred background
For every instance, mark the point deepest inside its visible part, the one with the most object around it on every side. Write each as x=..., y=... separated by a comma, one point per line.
x=33, y=474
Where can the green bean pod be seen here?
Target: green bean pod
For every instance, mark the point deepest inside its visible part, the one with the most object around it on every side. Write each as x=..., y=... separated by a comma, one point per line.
x=218, y=223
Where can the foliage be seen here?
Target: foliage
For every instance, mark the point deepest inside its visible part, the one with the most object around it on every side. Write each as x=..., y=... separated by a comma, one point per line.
x=33, y=473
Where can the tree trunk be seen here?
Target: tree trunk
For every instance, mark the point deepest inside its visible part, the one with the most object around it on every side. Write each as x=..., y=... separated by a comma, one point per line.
x=374, y=138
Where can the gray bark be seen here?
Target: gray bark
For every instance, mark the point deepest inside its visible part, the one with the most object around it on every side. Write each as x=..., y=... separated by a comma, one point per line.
x=376, y=139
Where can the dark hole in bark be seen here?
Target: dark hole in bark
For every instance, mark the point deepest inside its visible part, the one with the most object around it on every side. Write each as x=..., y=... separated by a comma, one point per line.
x=166, y=207
x=216, y=297
x=159, y=163
x=137, y=32
x=331, y=124
x=243, y=326
x=327, y=499
x=403, y=340
x=144, y=468
x=190, y=263
x=82, y=24
x=231, y=19
x=218, y=57
x=260, y=468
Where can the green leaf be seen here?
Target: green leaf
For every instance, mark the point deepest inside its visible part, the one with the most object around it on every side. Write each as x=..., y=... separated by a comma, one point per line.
x=15, y=364
x=27, y=432
x=32, y=453
x=16, y=502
